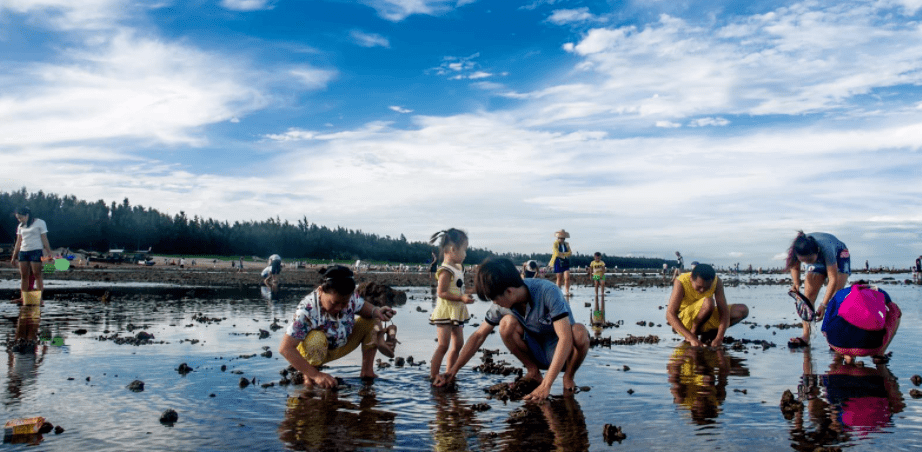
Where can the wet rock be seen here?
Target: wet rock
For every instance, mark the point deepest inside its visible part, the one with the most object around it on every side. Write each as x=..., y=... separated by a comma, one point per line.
x=626, y=368
x=741, y=391
x=268, y=385
x=244, y=382
x=184, y=369
x=46, y=427
x=169, y=417
x=790, y=405
x=612, y=433
x=381, y=294
x=136, y=386
x=916, y=380
x=630, y=391
x=399, y=361
x=516, y=390
x=629, y=340
x=263, y=334
x=420, y=309
x=383, y=364
x=584, y=389
x=480, y=407
x=266, y=354
x=80, y=331
x=144, y=336
x=275, y=325
x=223, y=367
x=58, y=430
x=915, y=393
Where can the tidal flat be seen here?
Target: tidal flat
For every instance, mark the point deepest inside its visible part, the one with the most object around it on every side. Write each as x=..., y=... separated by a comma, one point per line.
x=662, y=395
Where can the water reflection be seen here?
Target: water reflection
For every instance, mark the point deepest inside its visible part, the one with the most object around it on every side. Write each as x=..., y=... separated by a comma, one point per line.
x=322, y=420
x=455, y=426
x=25, y=353
x=698, y=379
x=848, y=402
x=557, y=424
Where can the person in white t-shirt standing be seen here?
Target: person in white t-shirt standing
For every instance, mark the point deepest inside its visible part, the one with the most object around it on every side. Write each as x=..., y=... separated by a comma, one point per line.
x=31, y=246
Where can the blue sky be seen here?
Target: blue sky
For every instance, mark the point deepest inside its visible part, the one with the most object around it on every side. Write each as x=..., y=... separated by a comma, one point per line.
x=642, y=127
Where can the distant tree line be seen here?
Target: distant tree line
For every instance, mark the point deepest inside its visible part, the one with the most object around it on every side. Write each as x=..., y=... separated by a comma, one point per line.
x=96, y=226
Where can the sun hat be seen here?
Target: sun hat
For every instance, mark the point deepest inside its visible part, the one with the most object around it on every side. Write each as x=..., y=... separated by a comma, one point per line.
x=865, y=308
x=562, y=234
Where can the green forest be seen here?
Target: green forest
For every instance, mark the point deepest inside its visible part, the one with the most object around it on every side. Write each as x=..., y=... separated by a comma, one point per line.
x=97, y=226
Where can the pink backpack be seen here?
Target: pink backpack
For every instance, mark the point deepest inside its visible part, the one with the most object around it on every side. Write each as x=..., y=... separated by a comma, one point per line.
x=865, y=308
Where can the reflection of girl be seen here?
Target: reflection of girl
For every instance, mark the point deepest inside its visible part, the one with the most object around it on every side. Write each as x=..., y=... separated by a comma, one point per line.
x=827, y=262
x=560, y=260
x=330, y=323
x=31, y=246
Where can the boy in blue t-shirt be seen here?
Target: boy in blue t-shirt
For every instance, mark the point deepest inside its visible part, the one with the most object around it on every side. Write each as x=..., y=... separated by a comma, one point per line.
x=535, y=323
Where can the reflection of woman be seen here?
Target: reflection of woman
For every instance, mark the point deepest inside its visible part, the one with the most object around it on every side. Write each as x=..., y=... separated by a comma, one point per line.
x=827, y=261
x=329, y=323
x=454, y=423
x=23, y=355
x=560, y=260
x=328, y=423
x=699, y=380
x=31, y=246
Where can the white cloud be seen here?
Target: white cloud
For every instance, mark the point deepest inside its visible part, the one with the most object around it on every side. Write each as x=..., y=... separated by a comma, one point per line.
x=246, y=5
x=292, y=134
x=399, y=109
x=397, y=10
x=667, y=124
x=704, y=122
x=369, y=39
x=128, y=87
x=70, y=15
x=572, y=16
x=801, y=59
x=311, y=77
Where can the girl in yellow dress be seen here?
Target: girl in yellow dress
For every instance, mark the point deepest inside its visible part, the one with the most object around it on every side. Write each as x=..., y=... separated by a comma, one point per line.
x=450, y=313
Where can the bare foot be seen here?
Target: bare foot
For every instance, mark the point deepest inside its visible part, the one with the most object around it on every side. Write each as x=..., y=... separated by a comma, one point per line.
x=533, y=374
x=569, y=386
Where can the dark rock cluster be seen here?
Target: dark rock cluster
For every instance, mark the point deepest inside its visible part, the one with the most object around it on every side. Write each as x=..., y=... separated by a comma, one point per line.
x=489, y=366
x=629, y=340
x=790, y=405
x=612, y=433
x=519, y=388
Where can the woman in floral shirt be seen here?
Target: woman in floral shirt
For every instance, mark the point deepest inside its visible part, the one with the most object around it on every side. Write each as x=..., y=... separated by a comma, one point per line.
x=329, y=323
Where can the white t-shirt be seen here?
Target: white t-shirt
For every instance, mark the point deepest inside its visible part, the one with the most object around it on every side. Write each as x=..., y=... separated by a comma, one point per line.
x=32, y=235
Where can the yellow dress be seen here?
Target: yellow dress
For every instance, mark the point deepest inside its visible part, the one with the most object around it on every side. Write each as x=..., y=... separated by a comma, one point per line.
x=692, y=303
x=449, y=312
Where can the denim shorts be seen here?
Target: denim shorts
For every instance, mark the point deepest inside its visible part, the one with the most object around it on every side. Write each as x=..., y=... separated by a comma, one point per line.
x=843, y=264
x=30, y=256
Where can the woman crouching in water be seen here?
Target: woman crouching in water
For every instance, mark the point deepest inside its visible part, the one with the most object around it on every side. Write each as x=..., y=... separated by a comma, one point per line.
x=330, y=323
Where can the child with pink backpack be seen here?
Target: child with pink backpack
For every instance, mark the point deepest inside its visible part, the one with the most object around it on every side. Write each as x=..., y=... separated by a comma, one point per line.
x=861, y=321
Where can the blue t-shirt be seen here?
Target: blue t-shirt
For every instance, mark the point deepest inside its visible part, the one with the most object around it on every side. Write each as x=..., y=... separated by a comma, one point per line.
x=547, y=305
x=830, y=247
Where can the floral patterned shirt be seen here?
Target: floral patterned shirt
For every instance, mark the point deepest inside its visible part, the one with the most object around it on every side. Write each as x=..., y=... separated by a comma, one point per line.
x=311, y=316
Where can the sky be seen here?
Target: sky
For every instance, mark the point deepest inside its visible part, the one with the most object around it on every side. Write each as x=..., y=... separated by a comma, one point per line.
x=642, y=127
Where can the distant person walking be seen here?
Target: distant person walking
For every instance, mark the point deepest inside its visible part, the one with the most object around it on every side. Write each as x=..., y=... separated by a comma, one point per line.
x=918, y=267
x=560, y=260
x=31, y=246
x=827, y=261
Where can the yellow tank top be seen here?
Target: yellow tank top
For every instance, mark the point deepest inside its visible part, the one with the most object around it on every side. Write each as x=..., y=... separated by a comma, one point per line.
x=692, y=295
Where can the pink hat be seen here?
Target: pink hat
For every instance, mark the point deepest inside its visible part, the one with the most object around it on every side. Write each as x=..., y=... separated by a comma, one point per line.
x=864, y=307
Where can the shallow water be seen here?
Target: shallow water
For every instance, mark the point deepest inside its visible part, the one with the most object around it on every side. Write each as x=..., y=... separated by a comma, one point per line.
x=680, y=398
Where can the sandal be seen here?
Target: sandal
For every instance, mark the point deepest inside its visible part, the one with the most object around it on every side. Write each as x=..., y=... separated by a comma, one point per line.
x=797, y=342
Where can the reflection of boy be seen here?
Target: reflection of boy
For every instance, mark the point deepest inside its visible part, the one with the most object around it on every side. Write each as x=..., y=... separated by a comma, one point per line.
x=535, y=323
x=698, y=305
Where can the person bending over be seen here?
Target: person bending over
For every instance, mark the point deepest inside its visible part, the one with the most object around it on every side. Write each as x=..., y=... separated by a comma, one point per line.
x=698, y=308
x=535, y=324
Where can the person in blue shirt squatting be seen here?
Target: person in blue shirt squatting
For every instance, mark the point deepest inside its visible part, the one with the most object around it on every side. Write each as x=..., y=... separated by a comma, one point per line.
x=535, y=323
